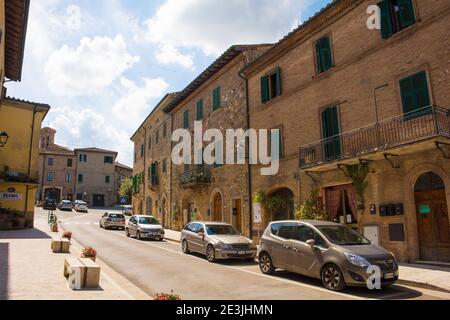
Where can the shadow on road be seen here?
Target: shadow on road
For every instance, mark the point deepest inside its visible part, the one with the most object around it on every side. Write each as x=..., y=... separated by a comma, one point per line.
x=24, y=234
x=4, y=256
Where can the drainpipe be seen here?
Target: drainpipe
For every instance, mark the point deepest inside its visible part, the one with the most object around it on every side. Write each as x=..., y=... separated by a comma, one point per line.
x=170, y=175
x=145, y=170
x=249, y=169
x=29, y=156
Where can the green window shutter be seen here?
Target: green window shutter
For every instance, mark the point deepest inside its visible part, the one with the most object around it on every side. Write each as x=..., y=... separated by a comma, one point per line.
x=216, y=99
x=387, y=28
x=199, y=110
x=325, y=48
x=265, y=96
x=330, y=129
x=278, y=77
x=414, y=92
x=406, y=16
x=186, y=119
x=320, y=68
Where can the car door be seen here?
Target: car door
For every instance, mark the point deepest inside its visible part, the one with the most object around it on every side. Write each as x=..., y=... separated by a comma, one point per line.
x=199, y=238
x=280, y=247
x=306, y=259
x=191, y=233
x=103, y=219
x=132, y=226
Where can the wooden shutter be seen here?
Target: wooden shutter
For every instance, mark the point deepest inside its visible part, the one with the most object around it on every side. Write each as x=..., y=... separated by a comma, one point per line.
x=325, y=54
x=199, y=110
x=278, y=81
x=414, y=92
x=186, y=119
x=216, y=98
x=319, y=58
x=265, y=89
x=406, y=15
x=387, y=28
x=331, y=131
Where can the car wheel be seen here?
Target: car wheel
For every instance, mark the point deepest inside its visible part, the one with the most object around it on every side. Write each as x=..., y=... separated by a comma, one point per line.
x=138, y=235
x=127, y=233
x=210, y=254
x=184, y=247
x=265, y=264
x=332, y=278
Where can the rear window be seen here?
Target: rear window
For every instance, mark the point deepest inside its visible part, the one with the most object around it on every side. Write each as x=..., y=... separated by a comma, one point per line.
x=283, y=230
x=116, y=216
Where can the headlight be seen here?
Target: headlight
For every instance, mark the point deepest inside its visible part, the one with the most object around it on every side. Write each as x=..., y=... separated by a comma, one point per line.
x=161, y=231
x=357, y=260
x=253, y=245
x=220, y=245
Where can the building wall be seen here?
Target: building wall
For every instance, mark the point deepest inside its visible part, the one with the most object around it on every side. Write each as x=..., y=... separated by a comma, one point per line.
x=20, y=155
x=362, y=62
x=121, y=174
x=94, y=172
x=2, y=44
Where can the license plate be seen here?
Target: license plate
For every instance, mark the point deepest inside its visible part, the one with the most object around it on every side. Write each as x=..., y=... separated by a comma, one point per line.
x=388, y=275
x=241, y=252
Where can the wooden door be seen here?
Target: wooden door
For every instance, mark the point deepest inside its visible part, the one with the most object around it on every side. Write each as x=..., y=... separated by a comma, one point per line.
x=433, y=225
x=217, y=215
x=237, y=211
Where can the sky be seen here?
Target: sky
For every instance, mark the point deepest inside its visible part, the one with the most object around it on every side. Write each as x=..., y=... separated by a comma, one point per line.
x=104, y=65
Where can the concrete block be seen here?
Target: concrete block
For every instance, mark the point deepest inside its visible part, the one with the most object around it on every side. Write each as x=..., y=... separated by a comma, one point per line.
x=92, y=274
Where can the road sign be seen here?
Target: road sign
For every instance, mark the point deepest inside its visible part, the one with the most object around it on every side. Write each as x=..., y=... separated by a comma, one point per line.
x=123, y=200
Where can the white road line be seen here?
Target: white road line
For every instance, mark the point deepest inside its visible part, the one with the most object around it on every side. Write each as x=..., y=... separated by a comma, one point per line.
x=257, y=273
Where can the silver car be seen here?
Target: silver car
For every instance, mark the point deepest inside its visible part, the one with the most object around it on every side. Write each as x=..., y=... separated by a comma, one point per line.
x=332, y=252
x=112, y=220
x=81, y=206
x=127, y=210
x=216, y=240
x=144, y=227
x=65, y=205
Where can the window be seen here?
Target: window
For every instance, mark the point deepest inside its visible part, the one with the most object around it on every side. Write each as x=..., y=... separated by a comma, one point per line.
x=150, y=143
x=50, y=176
x=217, y=99
x=69, y=163
x=135, y=157
x=303, y=233
x=331, y=134
x=80, y=178
x=68, y=177
x=199, y=110
x=109, y=159
x=83, y=158
x=154, y=174
x=414, y=92
x=164, y=130
x=107, y=179
x=271, y=86
x=157, y=136
x=186, y=119
x=396, y=15
x=164, y=166
x=50, y=161
x=324, y=60
x=142, y=150
x=286, y=230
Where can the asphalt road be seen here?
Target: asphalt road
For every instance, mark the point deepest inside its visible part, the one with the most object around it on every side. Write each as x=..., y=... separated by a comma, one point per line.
x=161, y=267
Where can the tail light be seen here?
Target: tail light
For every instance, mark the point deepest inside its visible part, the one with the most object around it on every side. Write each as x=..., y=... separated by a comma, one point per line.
x=109, y=220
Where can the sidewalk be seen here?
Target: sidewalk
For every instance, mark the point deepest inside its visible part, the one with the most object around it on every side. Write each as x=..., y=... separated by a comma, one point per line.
x=415, y=275
x=30, y=271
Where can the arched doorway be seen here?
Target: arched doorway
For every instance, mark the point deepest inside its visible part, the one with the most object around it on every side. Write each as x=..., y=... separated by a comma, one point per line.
x=217, y=207
x=285, y=210
x=432, y=218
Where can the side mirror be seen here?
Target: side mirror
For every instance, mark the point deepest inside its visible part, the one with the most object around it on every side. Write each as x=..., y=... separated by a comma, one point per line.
x=311, y=242
x=201, y=234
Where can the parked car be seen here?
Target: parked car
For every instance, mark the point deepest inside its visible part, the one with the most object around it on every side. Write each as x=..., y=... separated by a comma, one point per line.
x=65, y=205
x=127, y=210
x=81, y=206
x=332, y=252
x=145, y=227
x=217, y=240
x=112, y=220
x=49, y=204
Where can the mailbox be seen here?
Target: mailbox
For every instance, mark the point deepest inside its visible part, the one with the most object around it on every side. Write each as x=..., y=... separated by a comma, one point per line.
x=399, y=209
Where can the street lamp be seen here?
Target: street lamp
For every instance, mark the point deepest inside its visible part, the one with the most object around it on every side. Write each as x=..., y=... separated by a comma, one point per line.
x=3, y=139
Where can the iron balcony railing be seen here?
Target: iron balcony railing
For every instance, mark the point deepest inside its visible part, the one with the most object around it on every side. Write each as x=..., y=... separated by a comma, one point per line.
x=199, y=176
x=415, y=126
x=20, y=177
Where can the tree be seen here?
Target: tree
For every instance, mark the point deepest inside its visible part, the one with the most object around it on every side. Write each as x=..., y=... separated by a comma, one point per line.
x=311, y=209
x=126, y=188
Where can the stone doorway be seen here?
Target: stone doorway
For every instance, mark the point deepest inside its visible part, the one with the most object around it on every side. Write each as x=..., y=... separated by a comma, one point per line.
x=432, y=218
x=217, y=206
x=286, y=210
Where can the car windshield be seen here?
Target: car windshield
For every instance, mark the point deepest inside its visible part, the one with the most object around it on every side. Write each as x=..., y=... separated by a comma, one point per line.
x=82, y=203
x=116, y=216
x=148, y=220
x=342, y=235
x=221, y=229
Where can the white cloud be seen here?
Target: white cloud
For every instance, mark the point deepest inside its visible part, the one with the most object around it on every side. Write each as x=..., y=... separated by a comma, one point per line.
x=73, y=19
x=168, y=54
x=214, y=25
x=94, y=65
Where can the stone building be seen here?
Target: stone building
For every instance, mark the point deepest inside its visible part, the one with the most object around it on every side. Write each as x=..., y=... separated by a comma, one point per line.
x=57, y=169
x=365, y=121
x=152, y=163
x=121, y=172
x=217, y=99
x=95, y=176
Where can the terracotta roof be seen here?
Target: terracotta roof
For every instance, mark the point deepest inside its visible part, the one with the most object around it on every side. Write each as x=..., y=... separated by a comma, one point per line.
x=17, y=100
x=118, y=164
x=16, y=20
x=57, y=149
x=95, y=149
x=216, y=66
x=171, y=95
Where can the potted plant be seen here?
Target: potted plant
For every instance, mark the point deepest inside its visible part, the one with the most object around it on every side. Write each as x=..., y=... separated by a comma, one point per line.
x=90, y=253
x=67, y=235
x=53, y=222
x=167, y=296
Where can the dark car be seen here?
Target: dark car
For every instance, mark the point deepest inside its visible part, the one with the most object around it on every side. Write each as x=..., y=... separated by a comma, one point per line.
x=50, y=204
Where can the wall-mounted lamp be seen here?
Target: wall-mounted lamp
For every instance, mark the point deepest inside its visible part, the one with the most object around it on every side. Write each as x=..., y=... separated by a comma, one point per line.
x=3, y=139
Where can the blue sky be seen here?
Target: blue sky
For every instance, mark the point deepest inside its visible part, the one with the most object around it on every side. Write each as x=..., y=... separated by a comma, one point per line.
x=103, y=65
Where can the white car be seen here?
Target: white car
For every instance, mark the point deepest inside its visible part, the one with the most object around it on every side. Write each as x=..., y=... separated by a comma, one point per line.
x=65, y=205
x=81, y=206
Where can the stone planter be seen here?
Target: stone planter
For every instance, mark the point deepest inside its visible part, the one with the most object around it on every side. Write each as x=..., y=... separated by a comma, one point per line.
x=92, y=258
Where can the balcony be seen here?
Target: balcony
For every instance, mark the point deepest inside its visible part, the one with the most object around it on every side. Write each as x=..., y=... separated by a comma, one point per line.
x=19, y=177
x=415, y=127
x=200, y=176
